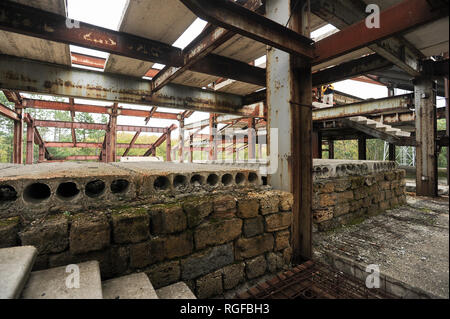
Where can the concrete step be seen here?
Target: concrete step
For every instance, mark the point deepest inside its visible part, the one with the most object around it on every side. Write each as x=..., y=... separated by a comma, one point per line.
x=135, y=286
x=380, y=126
x=15, y=267
x=176, y=291
x=51, y=283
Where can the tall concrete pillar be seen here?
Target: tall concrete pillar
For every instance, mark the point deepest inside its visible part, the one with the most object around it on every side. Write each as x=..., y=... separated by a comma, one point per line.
x=168, y=146
x=251, y=139
x=212, y=138
x=181, y=140
x=426, y=150
x=289, y=95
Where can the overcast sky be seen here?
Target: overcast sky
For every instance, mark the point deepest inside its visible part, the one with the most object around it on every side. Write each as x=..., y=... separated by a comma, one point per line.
x=107, y=14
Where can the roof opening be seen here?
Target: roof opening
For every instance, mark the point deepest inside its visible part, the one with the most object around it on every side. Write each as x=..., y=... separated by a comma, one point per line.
x=92, y=11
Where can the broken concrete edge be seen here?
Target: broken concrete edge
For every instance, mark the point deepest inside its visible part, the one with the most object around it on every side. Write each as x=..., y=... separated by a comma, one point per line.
x=15, y=268
x=388, y=283
x=133, y=286
x=325, y=168
x=53, y=283
x=41, y=188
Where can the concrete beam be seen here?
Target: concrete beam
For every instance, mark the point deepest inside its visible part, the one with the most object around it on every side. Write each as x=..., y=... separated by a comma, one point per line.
x=398, y=18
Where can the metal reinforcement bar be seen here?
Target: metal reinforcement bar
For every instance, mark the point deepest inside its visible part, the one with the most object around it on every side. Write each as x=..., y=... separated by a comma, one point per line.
x=314, y=280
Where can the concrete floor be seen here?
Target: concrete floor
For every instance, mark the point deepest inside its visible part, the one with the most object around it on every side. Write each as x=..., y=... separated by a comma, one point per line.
x=410, y=244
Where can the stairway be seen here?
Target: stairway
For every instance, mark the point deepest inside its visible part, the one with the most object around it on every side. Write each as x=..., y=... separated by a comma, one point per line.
x=17, y=281
x=380, y=126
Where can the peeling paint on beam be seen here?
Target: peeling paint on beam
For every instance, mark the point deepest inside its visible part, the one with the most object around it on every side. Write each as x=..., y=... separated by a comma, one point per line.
x=400, y=102
x=238, y=19
x=30, y=21
x=396, y=19
x=36, y=77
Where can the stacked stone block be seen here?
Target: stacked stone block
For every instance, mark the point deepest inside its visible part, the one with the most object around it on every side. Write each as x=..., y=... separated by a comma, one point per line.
x=348, y=200
x=213, y=243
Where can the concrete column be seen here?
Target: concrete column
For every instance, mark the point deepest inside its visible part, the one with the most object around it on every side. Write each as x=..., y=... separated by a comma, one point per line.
x=17, y=139
x=289, y=95
x=251, y=139
x=181, y=140
x=113, y=136
x=212, y=137
x=30, y=143
x=191, y=148
x=168, y=146
x=362, y=149
x=426, y=150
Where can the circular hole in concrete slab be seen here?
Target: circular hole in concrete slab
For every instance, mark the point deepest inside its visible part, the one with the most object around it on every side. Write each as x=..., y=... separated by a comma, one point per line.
x=36, y=193
x=161, y=183
x=197, y=180
x=179, y=181
x=240, y=178
x=212, y=180
x=67, y=190
x=95, y=188
x=227, y=179
x=7, y=194
x=252, y=178
x=119, y=186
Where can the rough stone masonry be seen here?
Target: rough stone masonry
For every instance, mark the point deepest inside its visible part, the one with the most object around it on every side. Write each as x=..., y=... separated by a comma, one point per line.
x=200, y=229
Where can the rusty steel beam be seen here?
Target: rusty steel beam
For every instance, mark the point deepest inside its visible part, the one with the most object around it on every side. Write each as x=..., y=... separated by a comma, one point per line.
x=210, y=39
x=397, y=19
x=397, y=49
x=9, y=113
x=159, y=141
x=13, y=97
x=231, y=69
x=238, y=19
x=61, y=106
x=97, y=126
x=389, y=104
x=70, y=125
x=33, y=22
x=92, y=145
x=17, y=139
x=46, y=25
x=349, y=70
x=36, y=77
x=87, y=60
x=130, y=146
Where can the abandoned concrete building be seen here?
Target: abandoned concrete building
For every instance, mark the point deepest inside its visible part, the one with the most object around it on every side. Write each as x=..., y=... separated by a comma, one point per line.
x=241, y=193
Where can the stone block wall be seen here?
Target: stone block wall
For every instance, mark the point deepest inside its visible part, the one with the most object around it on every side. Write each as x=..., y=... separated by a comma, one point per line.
x=213, y=242
x=347, y=200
